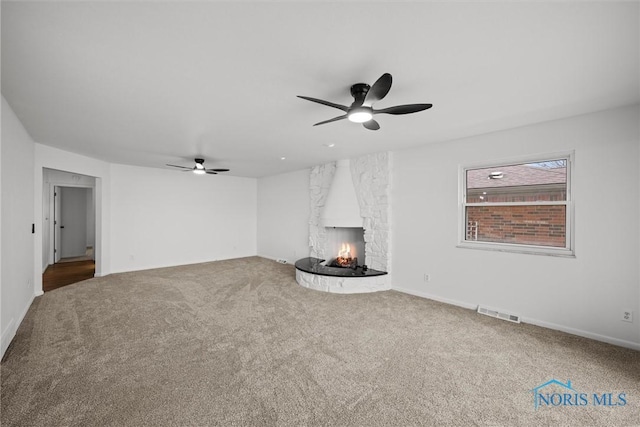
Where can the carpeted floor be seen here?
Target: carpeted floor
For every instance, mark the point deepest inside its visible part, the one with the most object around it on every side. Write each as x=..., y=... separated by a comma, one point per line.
x=238, y=342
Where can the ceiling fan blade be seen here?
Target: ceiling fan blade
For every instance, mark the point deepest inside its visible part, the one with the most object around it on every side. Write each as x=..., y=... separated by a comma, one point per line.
x=181, y=167
x=379, y=89
x=210, y=172
x=403, y=109
x=335, y=119
x=327, y=103
x=217, y=170
x=371, y=125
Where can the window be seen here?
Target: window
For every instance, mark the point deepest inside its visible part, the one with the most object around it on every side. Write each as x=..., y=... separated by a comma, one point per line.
x=520, y=206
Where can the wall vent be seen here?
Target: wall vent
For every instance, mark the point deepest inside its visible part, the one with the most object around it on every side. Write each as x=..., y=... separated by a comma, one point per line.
x=498, y=314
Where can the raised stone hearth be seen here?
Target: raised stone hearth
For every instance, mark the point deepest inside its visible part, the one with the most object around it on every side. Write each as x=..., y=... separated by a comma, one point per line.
x=313, y=273
x=370, y=176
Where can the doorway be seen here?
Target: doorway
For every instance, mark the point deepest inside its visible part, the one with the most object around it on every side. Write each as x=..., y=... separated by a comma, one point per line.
x=69, y=228
x=74, y=234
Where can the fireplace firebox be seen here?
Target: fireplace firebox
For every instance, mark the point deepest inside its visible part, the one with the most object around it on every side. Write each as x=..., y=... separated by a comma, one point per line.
x=345, y=246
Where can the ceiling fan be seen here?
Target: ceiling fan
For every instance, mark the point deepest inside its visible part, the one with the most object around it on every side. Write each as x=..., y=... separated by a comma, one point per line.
x=361, y=110
x=199, y=168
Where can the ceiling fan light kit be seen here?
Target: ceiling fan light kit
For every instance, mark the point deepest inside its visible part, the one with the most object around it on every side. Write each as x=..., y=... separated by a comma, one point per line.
x=360, y=114
x=361, y=110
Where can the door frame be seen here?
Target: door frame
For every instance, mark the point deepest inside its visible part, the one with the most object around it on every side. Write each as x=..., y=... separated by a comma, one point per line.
x=56, y=235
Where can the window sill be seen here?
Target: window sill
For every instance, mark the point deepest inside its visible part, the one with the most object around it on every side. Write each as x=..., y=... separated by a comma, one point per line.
x=519, y=249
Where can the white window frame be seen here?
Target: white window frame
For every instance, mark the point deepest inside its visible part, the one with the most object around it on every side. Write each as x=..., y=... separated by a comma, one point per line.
x=567, y=251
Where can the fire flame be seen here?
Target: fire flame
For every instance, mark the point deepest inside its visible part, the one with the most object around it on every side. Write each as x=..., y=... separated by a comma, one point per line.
x=344, y=255
x=345, y=251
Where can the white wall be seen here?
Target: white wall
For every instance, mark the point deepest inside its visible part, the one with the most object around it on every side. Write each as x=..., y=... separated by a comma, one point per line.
x=584, y=295
x=162, y=218
x=2, y=327
x=16, y=286
x=283, y=216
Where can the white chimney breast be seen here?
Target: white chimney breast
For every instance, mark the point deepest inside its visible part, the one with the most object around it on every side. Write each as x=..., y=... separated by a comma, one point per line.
x=341, y=208
x=371, y=180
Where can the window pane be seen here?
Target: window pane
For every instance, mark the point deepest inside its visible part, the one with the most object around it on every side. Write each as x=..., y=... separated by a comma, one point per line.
x=527, y=225
x=528, y=182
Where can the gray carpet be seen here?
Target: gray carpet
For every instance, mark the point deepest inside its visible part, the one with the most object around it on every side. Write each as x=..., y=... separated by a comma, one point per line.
x=238, y=342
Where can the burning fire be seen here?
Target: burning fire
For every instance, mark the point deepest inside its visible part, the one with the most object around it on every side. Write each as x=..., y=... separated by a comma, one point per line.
x=344, y=255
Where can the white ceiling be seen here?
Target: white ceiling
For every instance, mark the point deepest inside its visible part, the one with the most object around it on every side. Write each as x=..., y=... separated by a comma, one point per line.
x=149, y=83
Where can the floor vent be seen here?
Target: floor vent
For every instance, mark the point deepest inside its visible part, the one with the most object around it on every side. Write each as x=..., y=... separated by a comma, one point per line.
x=498, y=314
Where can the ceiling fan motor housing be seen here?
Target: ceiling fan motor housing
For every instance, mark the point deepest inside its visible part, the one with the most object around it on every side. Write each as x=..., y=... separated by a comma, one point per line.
x=359, y=91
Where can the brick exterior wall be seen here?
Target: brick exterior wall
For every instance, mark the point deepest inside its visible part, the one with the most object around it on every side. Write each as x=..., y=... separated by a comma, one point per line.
x=541, y=225
x=529, y=225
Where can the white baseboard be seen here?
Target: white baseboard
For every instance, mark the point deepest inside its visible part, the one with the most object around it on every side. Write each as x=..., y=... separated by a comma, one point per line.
x=291, y=262
x=435, y=298
x=581, y=333
x=11, y=329
x=597, y=337
x=117, y=270
x=7, y=336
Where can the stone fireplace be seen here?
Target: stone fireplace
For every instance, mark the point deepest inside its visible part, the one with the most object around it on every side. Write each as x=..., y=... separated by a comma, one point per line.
x=360, y=221
x=345, y=243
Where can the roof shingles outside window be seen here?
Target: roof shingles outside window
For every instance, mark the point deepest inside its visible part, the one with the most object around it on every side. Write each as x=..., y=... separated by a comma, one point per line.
x=518, y=183
x=516, y=175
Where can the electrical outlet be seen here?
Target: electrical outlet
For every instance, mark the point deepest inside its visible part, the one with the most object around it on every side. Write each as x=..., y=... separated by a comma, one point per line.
x=427, y=277
x=627, y=316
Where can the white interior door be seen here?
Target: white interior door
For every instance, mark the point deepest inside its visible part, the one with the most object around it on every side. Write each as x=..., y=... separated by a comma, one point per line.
x=57, y=199
x=74, y=222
